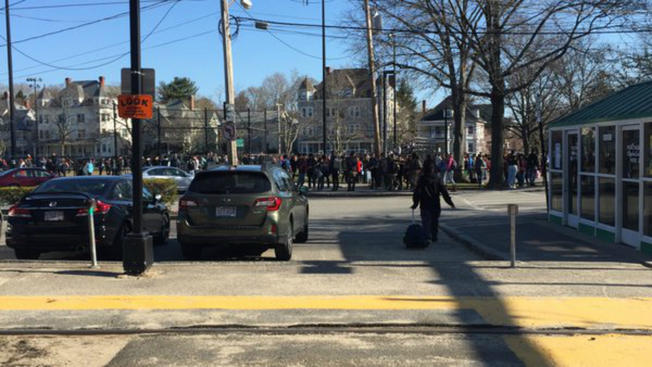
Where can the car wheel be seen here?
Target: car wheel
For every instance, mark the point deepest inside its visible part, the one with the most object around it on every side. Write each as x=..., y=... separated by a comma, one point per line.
x=283, y=251
x=191, y=252
x=26, y=254
x=302, y=237
x=162, y=237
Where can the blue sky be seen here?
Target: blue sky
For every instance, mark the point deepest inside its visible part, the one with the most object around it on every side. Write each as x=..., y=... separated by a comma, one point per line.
x=256, y=53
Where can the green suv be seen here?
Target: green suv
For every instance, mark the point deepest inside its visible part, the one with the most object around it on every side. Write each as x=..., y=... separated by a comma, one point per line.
x=242, y=205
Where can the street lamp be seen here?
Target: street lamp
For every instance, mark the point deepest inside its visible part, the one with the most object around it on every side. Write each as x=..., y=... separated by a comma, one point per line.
x=33, y=82
x=228, y=73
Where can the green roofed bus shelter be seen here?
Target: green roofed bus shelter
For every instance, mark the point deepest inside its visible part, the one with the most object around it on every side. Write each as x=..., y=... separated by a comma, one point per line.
x=601, y=168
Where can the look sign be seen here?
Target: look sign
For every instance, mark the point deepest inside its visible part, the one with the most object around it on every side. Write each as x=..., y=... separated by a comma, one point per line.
x=136, y=106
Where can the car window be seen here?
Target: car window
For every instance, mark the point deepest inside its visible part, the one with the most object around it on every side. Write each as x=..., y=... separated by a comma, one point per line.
x=21, y=173
x=230, y=183
x=122, y=191
x=178, y=172
x=280, y=182
x=90, y=186
x=155, y=172
x=41, y=174
x=288, y=181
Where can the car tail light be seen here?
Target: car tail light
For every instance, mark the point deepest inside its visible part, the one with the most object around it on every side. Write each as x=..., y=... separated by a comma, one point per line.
x=100, y=207
x=271, y=204
x=186, y=203
x=16, y=212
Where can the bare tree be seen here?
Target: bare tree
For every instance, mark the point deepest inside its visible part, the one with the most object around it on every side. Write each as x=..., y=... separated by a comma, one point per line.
x=63, y=125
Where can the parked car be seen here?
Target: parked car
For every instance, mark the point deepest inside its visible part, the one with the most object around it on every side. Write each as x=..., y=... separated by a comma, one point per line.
x=54, y=217
x=258, y=205
x=25, y=177
x=180, y=177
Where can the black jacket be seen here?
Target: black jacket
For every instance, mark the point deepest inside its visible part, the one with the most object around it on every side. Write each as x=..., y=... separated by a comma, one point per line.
x=427, y=193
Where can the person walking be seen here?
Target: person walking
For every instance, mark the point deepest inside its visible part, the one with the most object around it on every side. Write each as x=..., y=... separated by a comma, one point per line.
x=350, y=172
x=335, y=169
x=427, y=196
x=479, y=166
x=532, y=167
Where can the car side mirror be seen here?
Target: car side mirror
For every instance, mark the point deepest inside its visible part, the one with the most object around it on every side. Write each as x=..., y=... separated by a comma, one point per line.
x=303, y=190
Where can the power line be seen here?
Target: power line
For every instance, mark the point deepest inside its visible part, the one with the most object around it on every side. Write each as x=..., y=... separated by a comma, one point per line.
x=76, y=5
x=606, y=30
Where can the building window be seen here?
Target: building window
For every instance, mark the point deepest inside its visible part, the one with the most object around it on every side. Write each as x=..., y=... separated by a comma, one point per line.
x=469, y=130
x=105, y=117
x=630, y=205
x=310, y=111
x=556, y=137
x=588, y=149
x=647, y=209
x=587, y=200
x=104, y=148
x=62, y=118
x=607, y=149
x=470, y=147
x=81, y=117
x=556, y=191
x=47, y=134
x=647, y=150
x=81, y=134
x=607, y=201
x=354, y=111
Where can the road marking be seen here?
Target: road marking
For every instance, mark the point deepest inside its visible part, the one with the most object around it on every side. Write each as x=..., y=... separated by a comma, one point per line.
x=529, y=312
x=582, y=350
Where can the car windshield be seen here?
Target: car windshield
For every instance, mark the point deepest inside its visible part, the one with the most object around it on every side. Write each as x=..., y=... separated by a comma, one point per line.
x=89, y=186
x=230, y=183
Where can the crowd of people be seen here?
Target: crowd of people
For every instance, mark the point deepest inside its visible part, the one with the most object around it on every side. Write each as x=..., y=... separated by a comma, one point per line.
x=316, y=171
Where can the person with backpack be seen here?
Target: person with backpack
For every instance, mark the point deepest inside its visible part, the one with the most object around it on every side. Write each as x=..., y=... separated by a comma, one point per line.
x=427, y=196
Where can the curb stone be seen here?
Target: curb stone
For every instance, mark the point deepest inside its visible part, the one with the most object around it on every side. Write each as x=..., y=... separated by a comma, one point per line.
x=486, y=252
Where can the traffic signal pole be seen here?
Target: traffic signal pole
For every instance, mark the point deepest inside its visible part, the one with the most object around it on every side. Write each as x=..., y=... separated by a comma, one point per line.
x=137, y=249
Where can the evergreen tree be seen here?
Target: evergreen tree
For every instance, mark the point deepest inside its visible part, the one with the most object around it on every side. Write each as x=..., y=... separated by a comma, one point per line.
x=179, y=88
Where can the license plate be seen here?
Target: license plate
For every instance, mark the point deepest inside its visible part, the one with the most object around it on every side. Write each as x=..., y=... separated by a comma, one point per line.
x=53, y=216
x=225, y=211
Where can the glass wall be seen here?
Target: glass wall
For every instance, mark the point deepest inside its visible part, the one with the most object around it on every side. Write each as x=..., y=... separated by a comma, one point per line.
x=631, y=153
x=556, y=150
x=607, y=149
x=588, y=149
x=630, y=205
x=572, y=154
x=607, y=201
x=587, y=201
x=647, y=150
x=647, y=210
x=556, y=191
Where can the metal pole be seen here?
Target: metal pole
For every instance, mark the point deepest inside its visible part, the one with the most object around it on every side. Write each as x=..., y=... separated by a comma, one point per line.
x=278, y=122
x=512, y=210
x=394, y=92
x=158, y=130
x=385, y=112
x=10, y=71
x=228, y=78
x=265, y=131
x=249, y=130
x=91, y=233
x=323, y=72
x=445, y=130
x=115, y=134
x=136, y=168
x=206, y=130
x=372, y=78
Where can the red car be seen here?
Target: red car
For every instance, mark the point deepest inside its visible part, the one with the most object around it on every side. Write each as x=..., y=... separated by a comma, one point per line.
x=25, y=177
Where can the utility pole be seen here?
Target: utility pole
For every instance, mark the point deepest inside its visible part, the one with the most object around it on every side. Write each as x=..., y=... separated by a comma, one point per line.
x=278, y=121
x=265, y=130
x=249, y=130
x=372, y=78
x=34, y=84
x=394, y=88
x=323, y=72
x=206, y=130
x=228, y=78
x=10, y=71
x=137, y=250
x=158, y=130
x=115, y=132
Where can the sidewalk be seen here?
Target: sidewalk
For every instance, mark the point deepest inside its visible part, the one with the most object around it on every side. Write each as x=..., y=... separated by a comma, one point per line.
x=536, y=240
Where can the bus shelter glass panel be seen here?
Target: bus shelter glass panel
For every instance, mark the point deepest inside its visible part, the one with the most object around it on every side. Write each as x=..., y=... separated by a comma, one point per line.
x=647, y=210
x=556, y=191
x=647, y=150
x=607, y=149
x=588, y=149
x=631, y=154
x=630, y=205
x=573, y=150
x=556, y=150
x=587, y=201
x=607, y=201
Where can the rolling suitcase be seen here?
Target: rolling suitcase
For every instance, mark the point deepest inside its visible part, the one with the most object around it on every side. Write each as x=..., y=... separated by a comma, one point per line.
x=415, y=236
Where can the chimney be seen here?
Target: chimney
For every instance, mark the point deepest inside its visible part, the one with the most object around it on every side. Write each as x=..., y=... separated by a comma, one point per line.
x=68, y=82
x=192, y=102
x=423, y=106
x=101, y=81
x=328, y=70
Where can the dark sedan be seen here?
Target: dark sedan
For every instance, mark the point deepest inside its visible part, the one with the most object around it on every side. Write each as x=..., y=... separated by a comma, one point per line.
x=25, y=177
x=54, y=217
